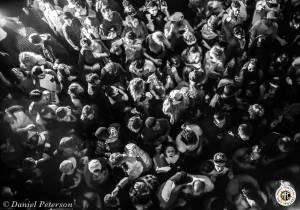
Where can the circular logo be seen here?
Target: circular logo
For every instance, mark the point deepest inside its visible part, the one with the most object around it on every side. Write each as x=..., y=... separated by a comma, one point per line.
x=285, y=195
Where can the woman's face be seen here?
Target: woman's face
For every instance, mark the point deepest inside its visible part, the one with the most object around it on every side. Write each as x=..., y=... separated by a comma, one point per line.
x=195, y=57
x=170, y=152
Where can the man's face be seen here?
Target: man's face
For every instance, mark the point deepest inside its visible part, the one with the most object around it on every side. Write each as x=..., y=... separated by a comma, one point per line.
x=153, y=11
x=195, y=57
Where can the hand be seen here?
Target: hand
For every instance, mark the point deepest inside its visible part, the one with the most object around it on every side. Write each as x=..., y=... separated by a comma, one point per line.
x=96, y=67
x=76, y=48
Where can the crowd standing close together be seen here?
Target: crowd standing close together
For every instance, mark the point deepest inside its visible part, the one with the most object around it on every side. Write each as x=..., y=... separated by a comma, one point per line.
x=147, y=105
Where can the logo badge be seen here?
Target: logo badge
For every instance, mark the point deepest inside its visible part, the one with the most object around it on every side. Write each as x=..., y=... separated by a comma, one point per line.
x=285, y=195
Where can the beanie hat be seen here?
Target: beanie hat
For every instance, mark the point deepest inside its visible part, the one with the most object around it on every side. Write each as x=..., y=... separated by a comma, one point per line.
x=220, y=158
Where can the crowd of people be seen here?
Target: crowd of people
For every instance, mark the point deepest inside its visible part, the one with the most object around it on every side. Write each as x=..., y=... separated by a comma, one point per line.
x=146, y=105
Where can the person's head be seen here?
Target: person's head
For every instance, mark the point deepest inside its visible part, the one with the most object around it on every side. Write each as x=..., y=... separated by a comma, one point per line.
x=245, y=131
x=194, y=54
x=152, y=123
x=75, y=89
x=91, y=22
x=238, y=32
x=176, y=18
x=88, y=113
x=130, y=37
x=102, y=133
x=85, y=42
x=135, y=124
x=255, y=111
x=285, y=144
x=175, y=61
x=93, y=79
x=135, y=21
x=216, y=53
x=117, y=159
x=35, y=95
x=107, y=13
x=236, y=6
x=136, y=87
x=272, y=3
x=219, y=160
x=68, y=18
x=252, y=65
x=35, y=39
x=255, y=152
x=189, y=136
x=153, y=8
x=212, y=22
x=169, y=149
x=270, y=18
x=38, y=72
x=29, y=59
x=139, y=64
x=68, y=166
x=219, y=119
x=95, y=167
x=189, y=38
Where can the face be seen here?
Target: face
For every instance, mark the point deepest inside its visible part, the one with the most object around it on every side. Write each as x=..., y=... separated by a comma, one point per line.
x=195, y=57
x=242, y=135
x=170, y=152
x=235, y=11
x=219, y=167
x=251, y=67
x=68, y=22
x=108, y=14
x=153, y=11
x=135, y=22
x=219, y=123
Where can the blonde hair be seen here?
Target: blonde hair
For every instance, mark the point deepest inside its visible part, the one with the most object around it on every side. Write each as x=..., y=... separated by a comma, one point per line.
x=30, y=59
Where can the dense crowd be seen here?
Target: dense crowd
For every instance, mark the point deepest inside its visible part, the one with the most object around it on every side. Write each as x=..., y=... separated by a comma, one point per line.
x=147, y=105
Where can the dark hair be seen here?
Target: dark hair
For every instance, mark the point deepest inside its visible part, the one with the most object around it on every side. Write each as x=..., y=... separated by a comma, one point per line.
x=236, y=4
x=167, y=144
x=35, y=38
x=219, y=115
x=140, y=63
x=68, y=15
x=189, y=137
x=246, y=129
